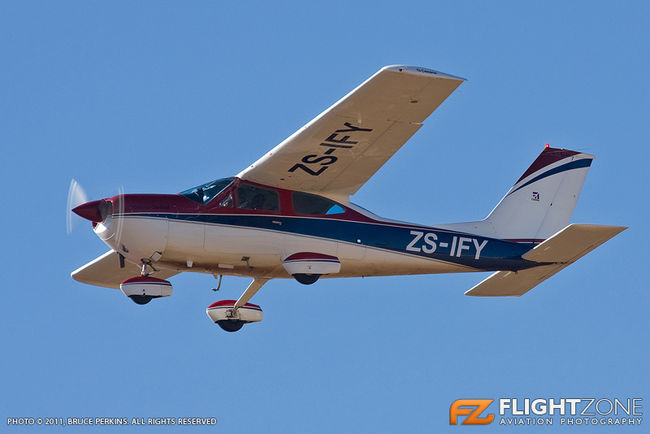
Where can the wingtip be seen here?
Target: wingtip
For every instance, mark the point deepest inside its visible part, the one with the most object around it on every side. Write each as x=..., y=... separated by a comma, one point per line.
x=420, y=70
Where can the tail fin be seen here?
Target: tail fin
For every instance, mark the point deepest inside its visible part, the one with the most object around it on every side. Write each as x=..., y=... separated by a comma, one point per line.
x=542, y=201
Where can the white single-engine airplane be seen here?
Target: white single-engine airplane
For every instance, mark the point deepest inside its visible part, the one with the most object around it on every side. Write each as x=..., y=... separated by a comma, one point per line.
x=289, y=214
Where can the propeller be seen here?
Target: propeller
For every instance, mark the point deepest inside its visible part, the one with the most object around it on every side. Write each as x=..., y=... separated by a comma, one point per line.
x=96, y=211
x=76, y=196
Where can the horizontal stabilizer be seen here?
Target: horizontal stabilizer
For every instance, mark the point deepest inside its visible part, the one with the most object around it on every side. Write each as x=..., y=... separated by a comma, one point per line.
x=563, y=248
x=105, y=271
x=572, y=243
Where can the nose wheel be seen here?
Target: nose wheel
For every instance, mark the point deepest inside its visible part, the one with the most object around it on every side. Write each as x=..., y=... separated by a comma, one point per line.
x=143, y=288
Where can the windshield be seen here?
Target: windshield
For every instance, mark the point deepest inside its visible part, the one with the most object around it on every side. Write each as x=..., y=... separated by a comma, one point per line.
x=206, y=192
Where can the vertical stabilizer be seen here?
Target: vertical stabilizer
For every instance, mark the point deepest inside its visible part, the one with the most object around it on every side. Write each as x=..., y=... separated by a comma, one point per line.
x=540, y=203
x=543, y=199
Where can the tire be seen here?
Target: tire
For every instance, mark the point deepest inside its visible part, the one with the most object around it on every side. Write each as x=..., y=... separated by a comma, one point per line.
x=231, y=325
x=141, y=299
x=306, y=279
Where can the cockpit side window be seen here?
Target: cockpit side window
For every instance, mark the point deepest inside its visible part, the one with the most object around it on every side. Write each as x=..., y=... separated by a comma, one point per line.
x=252, y=197
x=309, y=204
x=204, y=193
x=226, y=202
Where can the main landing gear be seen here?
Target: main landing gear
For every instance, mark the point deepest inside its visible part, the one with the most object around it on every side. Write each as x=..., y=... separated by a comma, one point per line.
x=141, y=299
x=231, y=325
x=232, y=319
x=232, y=315
x=307, y=267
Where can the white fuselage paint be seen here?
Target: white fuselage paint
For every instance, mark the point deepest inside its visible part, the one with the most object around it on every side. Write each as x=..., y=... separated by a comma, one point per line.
x=428, y=243
x=245, y=251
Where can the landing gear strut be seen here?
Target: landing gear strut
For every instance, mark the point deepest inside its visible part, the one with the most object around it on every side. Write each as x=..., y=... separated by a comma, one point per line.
x=141, y=299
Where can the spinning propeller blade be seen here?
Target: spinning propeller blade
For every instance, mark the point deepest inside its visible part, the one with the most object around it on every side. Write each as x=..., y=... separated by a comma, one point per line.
x=76, y=196
x=95, y=211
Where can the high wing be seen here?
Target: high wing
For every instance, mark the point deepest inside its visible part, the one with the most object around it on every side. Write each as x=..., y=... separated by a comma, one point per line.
x=339, y=150
x=105, y=271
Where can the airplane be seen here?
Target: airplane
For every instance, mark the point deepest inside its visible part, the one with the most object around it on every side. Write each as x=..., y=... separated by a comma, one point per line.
x=289, y=214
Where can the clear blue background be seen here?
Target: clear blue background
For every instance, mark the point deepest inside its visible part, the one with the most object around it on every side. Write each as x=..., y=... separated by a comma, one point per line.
x=161, y=96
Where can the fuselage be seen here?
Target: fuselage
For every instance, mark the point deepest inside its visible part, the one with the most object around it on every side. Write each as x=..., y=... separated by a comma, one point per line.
x=234, y=227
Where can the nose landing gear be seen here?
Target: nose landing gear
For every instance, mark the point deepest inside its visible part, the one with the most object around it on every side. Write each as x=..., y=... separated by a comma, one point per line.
x=143, y=288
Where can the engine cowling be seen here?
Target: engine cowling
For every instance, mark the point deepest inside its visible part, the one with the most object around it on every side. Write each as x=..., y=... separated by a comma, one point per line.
x=142, y=289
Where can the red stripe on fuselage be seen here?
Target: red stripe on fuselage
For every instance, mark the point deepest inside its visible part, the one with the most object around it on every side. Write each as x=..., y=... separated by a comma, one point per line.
x=179, y=204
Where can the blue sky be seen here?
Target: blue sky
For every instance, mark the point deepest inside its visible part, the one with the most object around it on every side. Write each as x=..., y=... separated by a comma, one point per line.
x=161, y=96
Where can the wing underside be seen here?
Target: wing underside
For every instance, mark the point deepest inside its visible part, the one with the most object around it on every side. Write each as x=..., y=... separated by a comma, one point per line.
x=338, y=151
x=106, y=271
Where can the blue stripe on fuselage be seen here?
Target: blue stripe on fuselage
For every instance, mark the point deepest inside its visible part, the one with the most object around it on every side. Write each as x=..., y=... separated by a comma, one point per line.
x=494, y=254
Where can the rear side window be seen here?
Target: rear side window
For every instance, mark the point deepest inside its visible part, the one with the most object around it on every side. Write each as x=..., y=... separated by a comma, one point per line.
x=252, y=197
x=309, y=204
